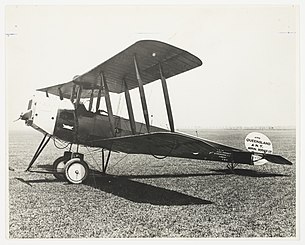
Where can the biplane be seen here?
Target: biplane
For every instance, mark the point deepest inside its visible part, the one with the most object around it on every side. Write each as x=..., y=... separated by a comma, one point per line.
x=143, y=62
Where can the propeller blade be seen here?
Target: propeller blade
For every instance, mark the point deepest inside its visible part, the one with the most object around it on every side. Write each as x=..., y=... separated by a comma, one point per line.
x=17, y=119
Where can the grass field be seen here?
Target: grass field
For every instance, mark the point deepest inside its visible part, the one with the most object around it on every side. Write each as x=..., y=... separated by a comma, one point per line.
x=145, y=197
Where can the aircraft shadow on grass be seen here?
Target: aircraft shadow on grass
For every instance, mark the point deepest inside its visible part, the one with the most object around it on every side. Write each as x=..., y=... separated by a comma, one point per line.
x=124, y=186
x=135, y=191
x=224, y=171
x=29, y=182
x=127, y=188
x=141, y=192
x=248, y=173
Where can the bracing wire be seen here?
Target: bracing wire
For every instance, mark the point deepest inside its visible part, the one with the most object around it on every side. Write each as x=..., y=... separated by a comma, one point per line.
x=98, y=168
x=97, y=150
x=113, y=165
x=90, y=152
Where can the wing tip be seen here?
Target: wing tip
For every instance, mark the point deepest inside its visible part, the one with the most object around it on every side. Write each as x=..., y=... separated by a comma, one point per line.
x=196, y=60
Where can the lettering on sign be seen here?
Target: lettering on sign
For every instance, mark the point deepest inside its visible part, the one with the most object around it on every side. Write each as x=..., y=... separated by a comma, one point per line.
x=259, y=143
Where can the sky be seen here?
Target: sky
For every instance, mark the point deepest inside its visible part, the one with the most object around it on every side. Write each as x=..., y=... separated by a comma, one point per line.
x=250, y=55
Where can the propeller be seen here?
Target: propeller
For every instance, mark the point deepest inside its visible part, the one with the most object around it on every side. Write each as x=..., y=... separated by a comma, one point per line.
x=17, y=119
x=24, y=116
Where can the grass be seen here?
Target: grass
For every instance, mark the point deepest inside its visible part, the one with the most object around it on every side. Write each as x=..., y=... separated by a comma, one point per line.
x=145, y=197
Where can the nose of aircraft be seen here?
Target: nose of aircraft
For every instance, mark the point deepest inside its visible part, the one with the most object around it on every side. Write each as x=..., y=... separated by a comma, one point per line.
x=26, y=116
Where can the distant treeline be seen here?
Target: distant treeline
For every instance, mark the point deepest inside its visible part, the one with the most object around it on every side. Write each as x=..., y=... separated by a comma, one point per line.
x=242, y=128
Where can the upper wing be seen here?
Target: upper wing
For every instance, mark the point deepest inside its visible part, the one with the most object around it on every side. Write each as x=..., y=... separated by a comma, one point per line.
x=149, y=54
x=182, y=146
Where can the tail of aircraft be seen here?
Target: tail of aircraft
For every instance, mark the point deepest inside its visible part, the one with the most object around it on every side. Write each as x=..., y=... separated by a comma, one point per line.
x=261, y=147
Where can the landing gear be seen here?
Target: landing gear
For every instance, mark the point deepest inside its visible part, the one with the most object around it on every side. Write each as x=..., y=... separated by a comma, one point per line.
x=72, y=167
x=59, y=168
x=60, y=164
x=105, y=161
x=231, y=166
x=40, y=148
x=76, y=170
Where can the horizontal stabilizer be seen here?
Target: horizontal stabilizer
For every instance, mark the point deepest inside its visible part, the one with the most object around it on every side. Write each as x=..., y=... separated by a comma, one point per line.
x=277, y=159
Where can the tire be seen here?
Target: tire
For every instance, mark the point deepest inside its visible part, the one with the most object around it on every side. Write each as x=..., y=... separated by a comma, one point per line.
x=59, y=167
x=76, y=171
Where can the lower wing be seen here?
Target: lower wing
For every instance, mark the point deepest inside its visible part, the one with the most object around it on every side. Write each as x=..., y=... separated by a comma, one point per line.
x=182, y=146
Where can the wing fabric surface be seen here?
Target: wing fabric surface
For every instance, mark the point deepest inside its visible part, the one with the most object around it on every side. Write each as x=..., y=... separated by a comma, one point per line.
x=148, y=53
x=182, y=146
x=66, y=89
x=175, y=145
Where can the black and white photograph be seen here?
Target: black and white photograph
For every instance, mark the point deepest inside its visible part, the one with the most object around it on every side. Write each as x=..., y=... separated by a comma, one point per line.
x=152, y=121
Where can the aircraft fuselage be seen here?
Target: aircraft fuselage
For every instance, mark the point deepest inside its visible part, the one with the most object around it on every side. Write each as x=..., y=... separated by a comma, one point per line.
x=79, y=126
x=88, y=128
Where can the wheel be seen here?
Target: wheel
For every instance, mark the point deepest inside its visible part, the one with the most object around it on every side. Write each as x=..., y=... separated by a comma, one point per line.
x=76, y=171
x=59, y=167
